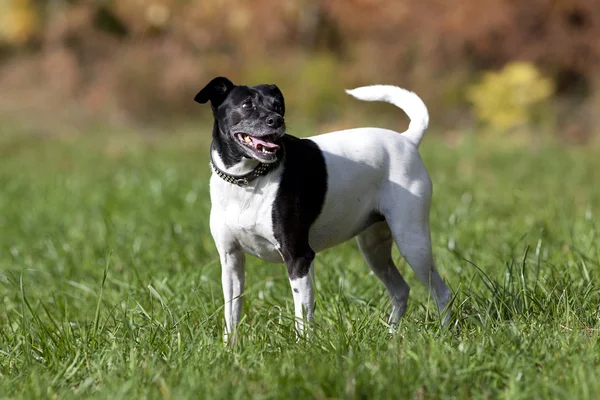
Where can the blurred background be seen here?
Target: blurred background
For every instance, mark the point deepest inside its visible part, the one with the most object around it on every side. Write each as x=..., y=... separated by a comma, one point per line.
x=514, y=69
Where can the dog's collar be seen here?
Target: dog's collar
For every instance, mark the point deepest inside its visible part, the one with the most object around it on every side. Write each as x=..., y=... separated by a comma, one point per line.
x=243, y=180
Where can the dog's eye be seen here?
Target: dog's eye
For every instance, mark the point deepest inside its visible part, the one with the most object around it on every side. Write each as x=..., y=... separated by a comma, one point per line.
x=277, y=108
x=247, y=105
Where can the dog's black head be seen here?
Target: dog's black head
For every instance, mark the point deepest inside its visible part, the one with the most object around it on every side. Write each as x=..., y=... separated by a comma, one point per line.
x=248, y=119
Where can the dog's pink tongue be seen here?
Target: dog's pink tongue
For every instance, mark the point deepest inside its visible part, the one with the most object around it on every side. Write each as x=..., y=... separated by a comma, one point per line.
x=256, y=141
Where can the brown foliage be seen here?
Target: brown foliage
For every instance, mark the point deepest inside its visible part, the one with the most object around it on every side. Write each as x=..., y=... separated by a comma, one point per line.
x=144, y=59
x=556, y=34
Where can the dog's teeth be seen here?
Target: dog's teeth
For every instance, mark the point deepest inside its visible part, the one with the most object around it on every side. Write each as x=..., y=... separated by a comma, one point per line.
x=247, y=139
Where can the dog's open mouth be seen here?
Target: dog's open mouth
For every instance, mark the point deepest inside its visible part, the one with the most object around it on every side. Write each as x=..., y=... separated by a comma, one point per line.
x=264, y=145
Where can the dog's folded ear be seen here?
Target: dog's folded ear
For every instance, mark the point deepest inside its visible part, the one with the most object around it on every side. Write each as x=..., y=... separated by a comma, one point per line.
x=273, y=91
x=277, y=94
x=216, y=91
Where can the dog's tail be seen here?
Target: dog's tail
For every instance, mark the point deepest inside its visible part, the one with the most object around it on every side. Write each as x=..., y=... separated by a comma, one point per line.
x=408, y=101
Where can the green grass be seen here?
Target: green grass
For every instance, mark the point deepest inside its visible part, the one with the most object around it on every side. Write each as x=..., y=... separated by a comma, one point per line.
x=110, y=283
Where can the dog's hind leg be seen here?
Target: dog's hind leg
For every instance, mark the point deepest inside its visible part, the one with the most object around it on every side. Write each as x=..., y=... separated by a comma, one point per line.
x=409, y=224
x=415, y=247
x=375, y=243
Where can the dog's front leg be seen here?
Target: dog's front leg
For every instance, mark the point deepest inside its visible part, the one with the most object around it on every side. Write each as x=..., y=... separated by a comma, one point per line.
x=233, y=271
x=301, y=274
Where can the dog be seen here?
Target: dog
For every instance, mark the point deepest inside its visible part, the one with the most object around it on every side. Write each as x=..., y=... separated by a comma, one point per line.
x=283, y=199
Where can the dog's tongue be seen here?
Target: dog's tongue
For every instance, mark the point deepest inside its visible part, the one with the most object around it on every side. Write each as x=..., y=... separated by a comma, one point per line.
x=256, y=141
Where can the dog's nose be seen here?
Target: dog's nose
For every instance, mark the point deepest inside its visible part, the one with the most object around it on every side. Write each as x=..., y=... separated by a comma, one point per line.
x=274, y=121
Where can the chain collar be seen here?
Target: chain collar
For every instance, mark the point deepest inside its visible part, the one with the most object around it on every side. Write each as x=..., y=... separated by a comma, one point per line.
x=243, y=180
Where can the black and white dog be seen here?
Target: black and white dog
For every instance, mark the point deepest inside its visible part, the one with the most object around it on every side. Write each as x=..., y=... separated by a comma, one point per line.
x=283, y=199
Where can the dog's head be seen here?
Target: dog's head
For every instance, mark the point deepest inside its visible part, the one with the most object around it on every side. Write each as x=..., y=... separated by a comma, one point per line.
x=249, y=118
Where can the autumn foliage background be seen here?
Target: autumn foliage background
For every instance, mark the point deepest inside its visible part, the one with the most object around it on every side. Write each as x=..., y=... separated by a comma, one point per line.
x=507, y=67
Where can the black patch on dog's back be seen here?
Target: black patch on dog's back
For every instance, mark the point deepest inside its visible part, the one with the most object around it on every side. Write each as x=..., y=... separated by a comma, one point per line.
x=299, y=201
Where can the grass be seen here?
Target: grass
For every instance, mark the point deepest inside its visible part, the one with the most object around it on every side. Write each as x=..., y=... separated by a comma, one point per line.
x=110, y=283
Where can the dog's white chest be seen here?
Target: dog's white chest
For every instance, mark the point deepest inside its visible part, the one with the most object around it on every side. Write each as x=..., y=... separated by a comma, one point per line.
x=244, y=216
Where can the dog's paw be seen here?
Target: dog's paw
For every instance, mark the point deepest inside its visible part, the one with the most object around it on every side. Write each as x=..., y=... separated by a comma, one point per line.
x=393, y=328
x=229, y=339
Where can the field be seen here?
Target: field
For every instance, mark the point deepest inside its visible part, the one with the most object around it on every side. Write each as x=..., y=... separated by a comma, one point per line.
x=110, y=283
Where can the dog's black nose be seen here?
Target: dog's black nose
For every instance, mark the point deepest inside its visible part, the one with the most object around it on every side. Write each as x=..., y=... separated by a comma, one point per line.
x=274, y=121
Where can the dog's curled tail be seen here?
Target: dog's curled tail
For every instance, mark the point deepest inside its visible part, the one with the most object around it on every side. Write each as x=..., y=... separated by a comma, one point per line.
x=408, y=101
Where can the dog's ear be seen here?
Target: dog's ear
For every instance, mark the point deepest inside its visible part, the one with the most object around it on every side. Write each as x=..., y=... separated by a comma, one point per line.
x=216, y=91
x=276, y=93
